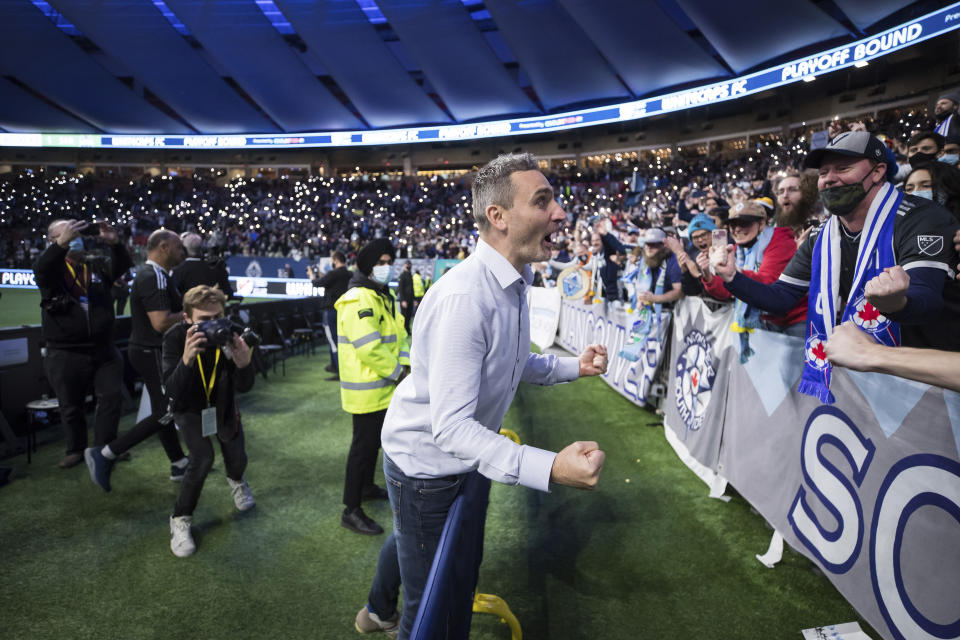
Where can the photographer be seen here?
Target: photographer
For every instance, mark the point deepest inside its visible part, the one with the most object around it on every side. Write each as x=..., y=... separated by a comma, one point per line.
x=195, y=271
x=203, y=374
x=77, y=324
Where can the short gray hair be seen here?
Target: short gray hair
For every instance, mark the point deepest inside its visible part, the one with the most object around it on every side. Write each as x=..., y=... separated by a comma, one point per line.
x=494, y=186
x=192, y=244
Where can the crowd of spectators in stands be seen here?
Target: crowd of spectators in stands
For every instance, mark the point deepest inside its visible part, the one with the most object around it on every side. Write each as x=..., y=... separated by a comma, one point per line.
x=430, y=217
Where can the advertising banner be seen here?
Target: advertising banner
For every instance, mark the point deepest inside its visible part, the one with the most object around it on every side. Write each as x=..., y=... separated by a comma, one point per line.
x=544, y=305
x=697, y=379
x=868, y=488
x=633, y=352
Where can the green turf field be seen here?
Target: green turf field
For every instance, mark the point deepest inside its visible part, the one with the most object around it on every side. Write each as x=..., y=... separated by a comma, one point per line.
x=649, y=558
x=19, y=306
x=22, y=306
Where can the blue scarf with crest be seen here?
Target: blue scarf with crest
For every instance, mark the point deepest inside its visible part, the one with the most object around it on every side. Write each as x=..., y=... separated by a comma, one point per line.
x=873, y=256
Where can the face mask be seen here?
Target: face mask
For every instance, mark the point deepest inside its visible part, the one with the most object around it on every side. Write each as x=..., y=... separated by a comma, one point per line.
x=841, y=200
x=923, y=193
x=920, y=158
x=382, y=273
x=76, y=244
x=950, y=158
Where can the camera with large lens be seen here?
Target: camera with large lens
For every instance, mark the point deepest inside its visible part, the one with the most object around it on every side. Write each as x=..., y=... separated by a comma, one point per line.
x=220, y=331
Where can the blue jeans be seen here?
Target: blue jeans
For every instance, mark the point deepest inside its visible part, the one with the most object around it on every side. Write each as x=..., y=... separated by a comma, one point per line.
x=420, y=507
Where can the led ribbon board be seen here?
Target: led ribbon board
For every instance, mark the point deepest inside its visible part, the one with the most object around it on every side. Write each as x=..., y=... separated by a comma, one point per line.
x=861, y=51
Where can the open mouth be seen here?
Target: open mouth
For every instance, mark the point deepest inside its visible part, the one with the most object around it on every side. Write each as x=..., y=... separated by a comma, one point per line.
x=551, y=240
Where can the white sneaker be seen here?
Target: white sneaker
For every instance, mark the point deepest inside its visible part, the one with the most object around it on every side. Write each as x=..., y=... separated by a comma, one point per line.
x=242, y=496
x=181, y=542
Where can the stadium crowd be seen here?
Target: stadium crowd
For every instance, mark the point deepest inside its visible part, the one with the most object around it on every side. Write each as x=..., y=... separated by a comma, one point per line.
x=426, y=217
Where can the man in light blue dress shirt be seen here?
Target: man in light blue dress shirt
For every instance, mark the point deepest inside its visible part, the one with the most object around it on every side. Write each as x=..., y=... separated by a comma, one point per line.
x=471, y=349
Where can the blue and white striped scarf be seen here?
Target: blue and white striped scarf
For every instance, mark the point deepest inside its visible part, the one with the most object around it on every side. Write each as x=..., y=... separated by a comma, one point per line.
x=874, y=255
x=944, y=127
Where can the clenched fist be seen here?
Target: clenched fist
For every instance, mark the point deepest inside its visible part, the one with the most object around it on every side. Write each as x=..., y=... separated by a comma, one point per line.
x=850, y=347
x=888, y=291
x=593, y=360
x=578, y=465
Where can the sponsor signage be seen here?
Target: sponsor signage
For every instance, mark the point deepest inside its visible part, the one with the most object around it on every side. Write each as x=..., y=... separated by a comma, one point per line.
x=804, y=69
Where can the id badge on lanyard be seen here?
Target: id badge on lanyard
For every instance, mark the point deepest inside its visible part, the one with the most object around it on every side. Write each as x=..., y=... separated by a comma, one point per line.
x=208, y=417
x=208, y=421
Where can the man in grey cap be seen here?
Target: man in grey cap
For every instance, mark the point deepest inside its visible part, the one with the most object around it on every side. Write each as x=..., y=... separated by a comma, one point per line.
x=658, y=278
x=945, y=113
x=855, y=170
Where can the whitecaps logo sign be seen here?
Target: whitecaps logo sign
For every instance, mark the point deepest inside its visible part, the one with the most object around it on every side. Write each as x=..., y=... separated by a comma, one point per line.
x=693, y=381
x=253, y=270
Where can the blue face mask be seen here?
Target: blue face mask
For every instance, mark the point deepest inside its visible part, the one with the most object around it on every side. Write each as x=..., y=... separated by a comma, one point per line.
x=382, y=273
x=923, y=193
x=950, y=158
x=76, y=244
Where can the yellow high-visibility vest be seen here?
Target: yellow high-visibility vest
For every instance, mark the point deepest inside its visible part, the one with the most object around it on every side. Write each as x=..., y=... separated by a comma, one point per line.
x=372, y=348
x=417, y=286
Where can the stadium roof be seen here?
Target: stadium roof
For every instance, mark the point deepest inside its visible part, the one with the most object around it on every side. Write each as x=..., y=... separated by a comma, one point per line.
x=285, y=66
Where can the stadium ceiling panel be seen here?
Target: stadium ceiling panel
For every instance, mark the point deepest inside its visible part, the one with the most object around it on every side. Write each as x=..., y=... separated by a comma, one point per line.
x=20, y=111
x=174, y=67
x=552, y=50
x=750, y=32
x=863, y=14
x=443, y=39
x=135, y=32
x=45, y=59
x=339, y=33
x=659, y=55
x=244, y=42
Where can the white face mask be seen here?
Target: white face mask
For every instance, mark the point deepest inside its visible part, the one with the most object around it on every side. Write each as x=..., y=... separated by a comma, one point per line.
x=382, y=273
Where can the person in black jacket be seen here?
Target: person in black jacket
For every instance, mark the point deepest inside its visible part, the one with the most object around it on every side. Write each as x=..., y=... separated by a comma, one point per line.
x=202, y=383
x=195, y=271
x=334, y=283
x=405, y=293
x=77, y=325
x=154, y=307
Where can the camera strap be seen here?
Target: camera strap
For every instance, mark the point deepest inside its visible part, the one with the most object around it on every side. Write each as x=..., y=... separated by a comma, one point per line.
x=80, y=281
x=208, y=388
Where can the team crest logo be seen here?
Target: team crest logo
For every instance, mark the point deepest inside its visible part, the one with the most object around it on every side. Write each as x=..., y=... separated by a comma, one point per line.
x=254, y=270
x=816, y=352
x=694, y=377
x=573, y=285
x=867, y=317
x=930, y=245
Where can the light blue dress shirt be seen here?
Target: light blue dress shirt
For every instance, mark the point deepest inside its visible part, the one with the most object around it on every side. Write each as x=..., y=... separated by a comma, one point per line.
x=471, y=349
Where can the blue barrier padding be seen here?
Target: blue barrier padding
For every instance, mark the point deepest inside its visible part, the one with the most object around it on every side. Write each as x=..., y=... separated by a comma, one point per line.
x=447, y=604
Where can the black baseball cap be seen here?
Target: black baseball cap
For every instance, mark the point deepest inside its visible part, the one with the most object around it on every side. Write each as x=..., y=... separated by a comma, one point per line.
x=857, y=144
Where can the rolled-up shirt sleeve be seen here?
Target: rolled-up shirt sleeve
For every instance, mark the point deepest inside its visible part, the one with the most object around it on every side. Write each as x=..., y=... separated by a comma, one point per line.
x=457, y=348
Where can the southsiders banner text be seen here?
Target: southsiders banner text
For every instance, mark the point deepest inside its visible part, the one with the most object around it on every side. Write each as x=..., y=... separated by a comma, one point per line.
x=868, y=488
